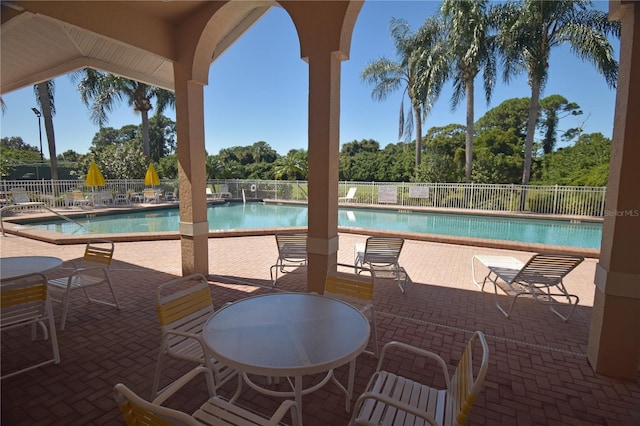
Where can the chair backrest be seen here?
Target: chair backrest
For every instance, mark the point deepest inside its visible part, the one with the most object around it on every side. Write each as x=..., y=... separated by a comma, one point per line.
x=467, y=380
x=292, y=246
x=355, y=287
x=352, y=192
x=184, y=304
x=20, y=196
x=547, y=268
x=23, y=300
x=99, y=251
x=137, y=411
x=382, y=251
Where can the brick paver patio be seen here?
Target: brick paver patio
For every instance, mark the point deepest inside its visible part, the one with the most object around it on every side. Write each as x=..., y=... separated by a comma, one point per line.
x=538, y=372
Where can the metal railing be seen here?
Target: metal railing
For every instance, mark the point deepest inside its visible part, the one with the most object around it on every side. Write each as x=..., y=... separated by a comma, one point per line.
x=558, y=200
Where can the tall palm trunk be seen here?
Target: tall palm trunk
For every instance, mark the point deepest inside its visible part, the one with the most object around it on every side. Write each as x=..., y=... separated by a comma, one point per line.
x=469, y=87
x=534, y=109
x=45, y=105
x=146, y=146
x=418, y=117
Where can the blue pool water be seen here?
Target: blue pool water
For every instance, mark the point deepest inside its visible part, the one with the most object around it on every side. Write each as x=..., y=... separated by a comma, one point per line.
x=232, y=216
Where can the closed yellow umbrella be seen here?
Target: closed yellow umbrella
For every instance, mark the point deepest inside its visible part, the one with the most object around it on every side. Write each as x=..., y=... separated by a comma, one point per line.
x=151, y=178
x=94, y=178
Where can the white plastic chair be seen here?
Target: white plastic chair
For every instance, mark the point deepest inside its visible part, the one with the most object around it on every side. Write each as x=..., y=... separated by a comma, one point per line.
x=24, y=302
x=292, y=253
x=390, y=399
x=150, y=196
x=214, y=412
x=184, y=305
x=93, y=271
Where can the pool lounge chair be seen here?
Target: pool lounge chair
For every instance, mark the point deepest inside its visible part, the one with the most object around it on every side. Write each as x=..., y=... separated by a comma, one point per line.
x=292, y=253
x=351, y=196
x=540, y=278
x=21, y=198
x=381, y=255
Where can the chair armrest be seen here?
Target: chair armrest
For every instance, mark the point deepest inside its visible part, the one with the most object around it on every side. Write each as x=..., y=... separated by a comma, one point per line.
x=287, y=405
x=179, y=384
x=417, y=351
x=391, y=402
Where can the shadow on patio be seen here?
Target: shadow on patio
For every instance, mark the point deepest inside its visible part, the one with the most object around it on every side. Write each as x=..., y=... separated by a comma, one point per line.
x=538, y=372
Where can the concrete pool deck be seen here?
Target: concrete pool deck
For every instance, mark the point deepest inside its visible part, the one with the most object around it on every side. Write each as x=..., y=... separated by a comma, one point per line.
x=538, y=372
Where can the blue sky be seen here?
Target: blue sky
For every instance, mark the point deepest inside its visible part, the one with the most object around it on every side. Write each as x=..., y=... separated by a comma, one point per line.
x=258, y=91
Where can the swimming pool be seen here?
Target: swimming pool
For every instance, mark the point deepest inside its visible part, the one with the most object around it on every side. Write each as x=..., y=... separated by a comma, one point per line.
x=236, y=216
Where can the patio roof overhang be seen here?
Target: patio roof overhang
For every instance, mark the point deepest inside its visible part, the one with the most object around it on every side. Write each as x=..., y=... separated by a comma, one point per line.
x=43, y=40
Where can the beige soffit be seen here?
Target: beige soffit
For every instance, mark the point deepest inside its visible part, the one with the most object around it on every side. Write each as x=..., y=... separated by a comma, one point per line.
x=35, y=47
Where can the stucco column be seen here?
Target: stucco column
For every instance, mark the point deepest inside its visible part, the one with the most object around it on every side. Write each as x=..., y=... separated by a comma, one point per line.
x=614, y=337
x=324, y=148
x=194, y=228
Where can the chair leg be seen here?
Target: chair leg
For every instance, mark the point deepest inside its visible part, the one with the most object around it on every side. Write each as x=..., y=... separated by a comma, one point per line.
x=52, y=335
x=156, y=378
x=113, y=293
x=372, y=315
x=65, y=307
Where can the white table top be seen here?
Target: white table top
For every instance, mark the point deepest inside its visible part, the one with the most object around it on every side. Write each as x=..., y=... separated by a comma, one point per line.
x=16, y=267
x=286, y=334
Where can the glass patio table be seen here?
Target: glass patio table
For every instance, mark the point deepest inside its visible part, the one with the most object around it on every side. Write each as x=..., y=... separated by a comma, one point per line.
x=21, y=266
x=288, y=335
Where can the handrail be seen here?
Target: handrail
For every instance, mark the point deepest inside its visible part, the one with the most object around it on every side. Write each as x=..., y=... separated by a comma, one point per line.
x=30, y=204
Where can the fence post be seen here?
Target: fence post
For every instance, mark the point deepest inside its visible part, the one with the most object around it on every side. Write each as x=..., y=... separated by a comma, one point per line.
x=555, y=199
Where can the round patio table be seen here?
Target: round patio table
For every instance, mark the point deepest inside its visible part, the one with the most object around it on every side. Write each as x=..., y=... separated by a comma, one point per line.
x=20, y=266
x=288, y=335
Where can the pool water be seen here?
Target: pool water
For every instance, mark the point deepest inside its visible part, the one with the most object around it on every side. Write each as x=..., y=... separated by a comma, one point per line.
x=233, y=216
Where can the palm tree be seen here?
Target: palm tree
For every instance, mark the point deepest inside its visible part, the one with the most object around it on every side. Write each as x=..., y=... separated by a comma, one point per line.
x=471, y=50
x=294, y=164
x=101, y=92
x=45, y=98
x=419, y=71
x=528, y=31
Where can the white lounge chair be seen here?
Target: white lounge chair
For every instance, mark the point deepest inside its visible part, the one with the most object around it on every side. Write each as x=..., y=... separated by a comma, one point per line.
x=21, y=198
x=292, y=253
x=382, y=254
x=351, y=196
x=540, y=278
x=224, y=191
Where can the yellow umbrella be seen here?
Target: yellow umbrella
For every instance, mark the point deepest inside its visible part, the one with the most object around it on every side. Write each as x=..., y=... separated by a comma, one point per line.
x=94, y=176
x=151, y=178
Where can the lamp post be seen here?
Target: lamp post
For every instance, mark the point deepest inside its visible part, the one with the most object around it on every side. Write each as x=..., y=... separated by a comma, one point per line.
x=38, y=114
